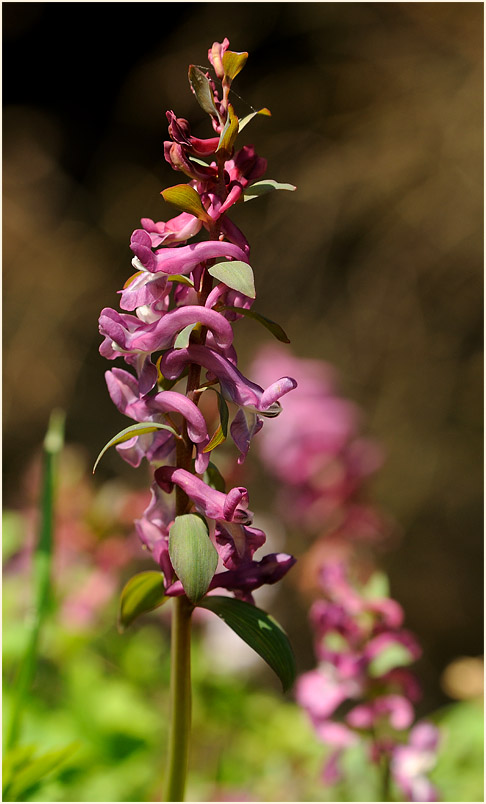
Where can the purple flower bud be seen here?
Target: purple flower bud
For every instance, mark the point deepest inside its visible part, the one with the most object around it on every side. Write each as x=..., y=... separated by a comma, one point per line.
x=231, y=507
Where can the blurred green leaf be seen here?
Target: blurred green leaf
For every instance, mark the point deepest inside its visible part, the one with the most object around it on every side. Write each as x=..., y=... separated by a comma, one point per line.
x=260, y=631
x=22, y=772
x=185, y=197
x=144, y=592
x=202, y=90
x=394, y=655
x=272, y=326
x=13, y=533
x=236, y=275
x=377, y=586
x=134, y=430
x=193, y=554
x=264, y=187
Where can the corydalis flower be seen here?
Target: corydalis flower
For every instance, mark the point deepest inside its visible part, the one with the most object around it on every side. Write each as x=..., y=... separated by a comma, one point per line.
x=171, y=307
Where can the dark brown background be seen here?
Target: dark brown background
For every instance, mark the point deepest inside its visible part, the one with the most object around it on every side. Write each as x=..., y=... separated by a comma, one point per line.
x=374, y=264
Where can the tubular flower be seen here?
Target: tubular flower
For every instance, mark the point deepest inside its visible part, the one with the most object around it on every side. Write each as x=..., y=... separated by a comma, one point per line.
x=173, y=324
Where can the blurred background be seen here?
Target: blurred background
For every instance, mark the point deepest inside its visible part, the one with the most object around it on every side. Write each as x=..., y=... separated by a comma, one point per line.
x=374, y=264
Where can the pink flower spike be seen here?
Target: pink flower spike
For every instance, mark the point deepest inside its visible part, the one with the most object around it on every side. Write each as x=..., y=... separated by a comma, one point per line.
x=214, y=504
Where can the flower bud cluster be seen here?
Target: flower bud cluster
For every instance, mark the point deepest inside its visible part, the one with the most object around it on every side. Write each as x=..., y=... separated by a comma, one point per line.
x=174, y=324
x=362, y=687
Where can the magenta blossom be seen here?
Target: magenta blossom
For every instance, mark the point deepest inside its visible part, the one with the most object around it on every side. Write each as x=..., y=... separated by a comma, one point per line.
x=231, y=507
x=234, y=385
x=181, y=260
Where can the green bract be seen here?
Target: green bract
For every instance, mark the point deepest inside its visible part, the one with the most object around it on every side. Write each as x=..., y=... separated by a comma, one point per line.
x=264, y=187
x=236, y=275
x=144, y=592
x=192, y=554
x=134, y=430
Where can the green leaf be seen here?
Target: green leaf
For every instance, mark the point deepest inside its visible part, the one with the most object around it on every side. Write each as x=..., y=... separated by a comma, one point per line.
x=182, y=280
x=260, y=631
x=213, y=477
x=245, y=120
x=193, y=554
x=202, y=89
x=274, y=328
x=264, y=187
x=216, y=440
x=233, y=63
x=394, y=655
x=236, y=275
x=185, y=197
x=229, y=132
x=134, y=430
x=222, y=431
x=184, y=336
x=377, y=586
x=19, y=779
x=144, y=592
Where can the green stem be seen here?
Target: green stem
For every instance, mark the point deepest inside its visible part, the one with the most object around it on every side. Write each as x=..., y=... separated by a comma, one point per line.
x=41, y=573
x=180, y=700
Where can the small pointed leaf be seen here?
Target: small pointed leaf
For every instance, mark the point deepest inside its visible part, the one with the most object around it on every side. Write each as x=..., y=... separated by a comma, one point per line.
x=216, y=440
x=245, y=120
x=144, y=592
x=183, y=338
x=393, y=655
x=182, y=280
x=274, y=328
x=213, y=477
x=134, y=430
x=185, y=197
x=229, y=132
x=264, y=187
x=202, y=89
x=233, y=63
x=260, y=631
x=193, y=554
x=236, y=275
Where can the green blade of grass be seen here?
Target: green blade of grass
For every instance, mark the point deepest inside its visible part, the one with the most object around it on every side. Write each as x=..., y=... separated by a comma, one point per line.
x=42, y=560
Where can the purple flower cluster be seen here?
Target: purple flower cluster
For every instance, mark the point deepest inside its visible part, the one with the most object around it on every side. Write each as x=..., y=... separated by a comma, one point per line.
x=174, y=324
x=318, y=453
x=362, y=686
x=363, y=652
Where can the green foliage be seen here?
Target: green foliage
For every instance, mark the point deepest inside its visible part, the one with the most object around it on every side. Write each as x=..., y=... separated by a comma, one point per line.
x=236, y=275
x=129, y=432
x=263, y=187
x=260, y=631
x=142, y=593
x=185, y=198
x=272, y=326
